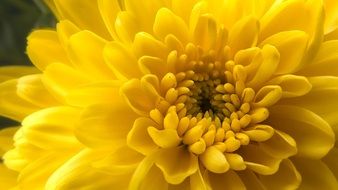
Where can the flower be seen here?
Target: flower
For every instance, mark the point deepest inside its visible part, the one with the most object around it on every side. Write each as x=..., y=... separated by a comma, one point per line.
x=166, y=94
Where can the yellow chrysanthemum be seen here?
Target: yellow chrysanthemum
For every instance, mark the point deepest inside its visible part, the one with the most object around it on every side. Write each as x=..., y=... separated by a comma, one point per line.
x=178, y=94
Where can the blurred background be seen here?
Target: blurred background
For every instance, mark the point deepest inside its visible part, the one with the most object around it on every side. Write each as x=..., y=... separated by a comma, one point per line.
x=17, y=19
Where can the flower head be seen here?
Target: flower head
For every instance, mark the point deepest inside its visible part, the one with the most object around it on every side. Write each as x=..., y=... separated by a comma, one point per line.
x=189, y=94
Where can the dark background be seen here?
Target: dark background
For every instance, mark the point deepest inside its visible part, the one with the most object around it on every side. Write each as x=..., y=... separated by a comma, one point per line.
x=17, y=19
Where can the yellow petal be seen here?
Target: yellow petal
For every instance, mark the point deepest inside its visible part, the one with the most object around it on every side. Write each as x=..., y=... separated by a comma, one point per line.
x=331, y=16
x=292, y=85
x=14, y=160
x=183, y=8
x=324, y=92
x=250, y=179
x=140, y=98
x=197, y=182
x=165, y=138
x=71, y=10
x=154, y=180
x=205, y=33
x=280, y=145
x=47, y=129
x=269, y=63
x=331, y=161
x=138, y=137
x=126, y=26
x=6, y=139
x=244, y=34
x=30, y=87
x=95, y=93
x=268, y=96
x=229, y=179
x=176, y=164
x=144, y=12
x=11, y=105
x=146, y=44
x=236, y=161
x=121, y=60
x=152, y=65
x=60, y=86
x=214, y=160
x=109, y=10
x=291, y=45
x=89, y=58
x=258, y=160
x=166, y=22
x=65, y=29
x=44, y=48
x=51, y=5
x=123, y=160
x=304, y=126
x=11, y=72
x=259, y=132
x=8, y=178
x=105, y=125
x=324, y=62
x=291, y=178
x=315, y=174
x=77, y=173
x=35, y=176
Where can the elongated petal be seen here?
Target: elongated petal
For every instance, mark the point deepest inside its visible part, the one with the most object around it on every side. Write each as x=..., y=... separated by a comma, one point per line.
x=331, y=161
x=70, y=10
x=315, y=174
x=89, y=58
x=47, y=129
x=105, y=125
x=11, y=105
x=6, y=139
x=304, y=126
x=138, y=138
x=229, y=179
x=8, y=178
x=176, y=164
x=258, y=160
x=288, y=172
x=12, y=72
x=291, y=45
x=29, y=87
x=44, y=48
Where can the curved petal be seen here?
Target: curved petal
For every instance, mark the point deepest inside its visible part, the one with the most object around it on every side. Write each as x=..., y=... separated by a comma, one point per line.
x=324, y=62
x=138, y=138
x=8, y=178
x=229, y=179
x=244, y=34
x=176, y=164
x=95, y=93
x=292, y=85
x=121, y=60
x=313, y=135
x=59, y=86
x=123, y=160
x=77, y=10
x=291, y=45
x=11, y=105
x=258, y=160
x=105, y=125
x=331, y=161
x=30, y=87
x=77, y=173
x=109, y=10
x=47, y=128
x=89, y=58
x=44, y=48
x=154, y=180
x=315, y=174
x=250, y=179
x=6, y=139
x=166, y=22
x=287, y=172
x=12, y=72
x=280, y=145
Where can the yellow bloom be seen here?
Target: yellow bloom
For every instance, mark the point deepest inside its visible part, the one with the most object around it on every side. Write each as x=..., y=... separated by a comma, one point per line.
x=173, y=94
